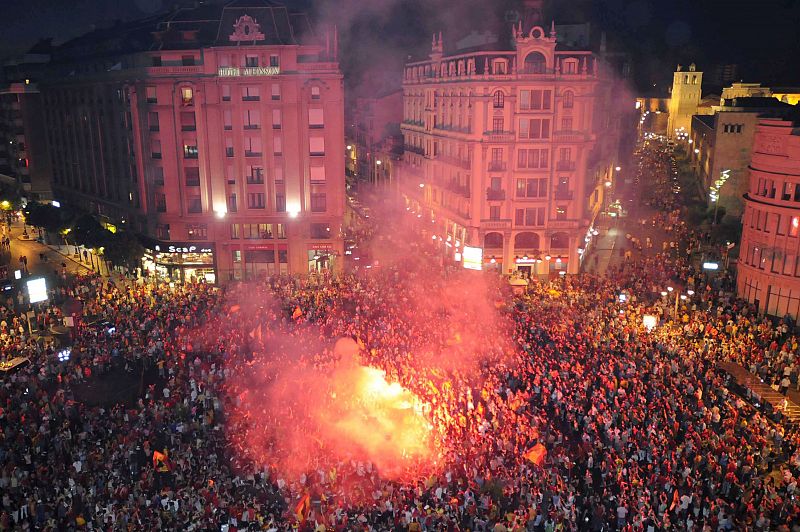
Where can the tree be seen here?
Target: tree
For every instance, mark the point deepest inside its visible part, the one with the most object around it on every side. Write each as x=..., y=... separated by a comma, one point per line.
x=45, y=216
x=88, y=232
x=123, y=249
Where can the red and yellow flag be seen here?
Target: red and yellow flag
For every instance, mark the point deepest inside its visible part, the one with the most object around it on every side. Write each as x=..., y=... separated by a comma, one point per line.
x=297, y=313
x=536, y=454
x=303, y=508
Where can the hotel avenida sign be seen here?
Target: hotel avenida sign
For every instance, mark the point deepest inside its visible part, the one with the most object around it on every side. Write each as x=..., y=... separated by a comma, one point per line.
x=248, y=71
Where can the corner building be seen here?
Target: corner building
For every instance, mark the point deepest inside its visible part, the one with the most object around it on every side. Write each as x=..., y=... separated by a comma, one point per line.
x=768, y=272
x=509, y=150
x=220, y=137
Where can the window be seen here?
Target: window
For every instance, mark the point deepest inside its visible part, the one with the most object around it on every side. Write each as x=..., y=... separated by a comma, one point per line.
x=534, y=128
x=151, y=94
x=162, y=231
x=276, y=91
x=316, y=146
x=155, y=149
x=187, y=60
x=197, y=231
x=232, y=207
x=188, y=121
x=251, y=61
x=226, y=93
x=252, y=119
x=236, y=232
x=227, y=120
x=250, y=94
x=256, y=200
x=496, y=183
x=532, y=188
x=255, y=175
x=499, y=99
x=533, y=158
x=561, y=213
x=152, y=119
x=274, y=60
x=228, y=147
x=318, y=199
x=192, y=176
x=276, y=119
x=497, y=124
x=794, y=225
x=569, y=66
x=194, y=205
x=187, y=96
x=566, y=124
x=252, y=147
x=158, y=176
x=190, y=149
x=277, y=146
x=315, y=119
x=320, y=230
x=536, y=100
x=565, y=154
x=530, y=216
x=280, y=202
x=568, y=100
x=161, y=202
x=317, y=173
x=494, y=212
x=315, y=93
x=535, y=63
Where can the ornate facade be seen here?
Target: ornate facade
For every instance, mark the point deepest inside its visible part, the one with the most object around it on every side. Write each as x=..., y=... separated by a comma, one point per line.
x=509, y=150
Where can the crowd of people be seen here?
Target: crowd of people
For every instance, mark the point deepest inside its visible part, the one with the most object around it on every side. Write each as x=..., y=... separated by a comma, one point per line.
x=556, y=409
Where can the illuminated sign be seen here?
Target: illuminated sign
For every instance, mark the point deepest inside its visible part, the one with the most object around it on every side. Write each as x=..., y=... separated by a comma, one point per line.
x=232, y=72
x=711, y=266
x=37, y=290
x=472, y=258
x=184, y=247
x=649, y=321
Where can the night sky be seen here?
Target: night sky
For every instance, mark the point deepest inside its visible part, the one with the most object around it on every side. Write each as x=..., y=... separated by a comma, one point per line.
x=759, y=35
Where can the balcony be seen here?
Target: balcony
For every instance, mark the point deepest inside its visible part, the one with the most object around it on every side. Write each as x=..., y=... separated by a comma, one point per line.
x=252, y=153
x=570, y=136
x=251, y=98
x=497, y=166
x=563, y=194
x=252, y=126
x=414, y=149
x=458, y=188
x=455, y=161
x=498, y=136
x=565, y=166
x=495, y=195
x=255, y=180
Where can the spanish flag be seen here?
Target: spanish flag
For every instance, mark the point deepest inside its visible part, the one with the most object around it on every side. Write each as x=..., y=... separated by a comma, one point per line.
x=536, y=454
x=160, y=462
x=303, y=508
x=297, y=314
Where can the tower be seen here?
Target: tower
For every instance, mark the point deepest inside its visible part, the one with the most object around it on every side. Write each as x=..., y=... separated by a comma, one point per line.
x=684, y=100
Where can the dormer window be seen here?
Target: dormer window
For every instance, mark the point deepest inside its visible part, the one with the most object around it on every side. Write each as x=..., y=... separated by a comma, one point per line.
x=569, y=66
x=499, y=67
x=315, y=93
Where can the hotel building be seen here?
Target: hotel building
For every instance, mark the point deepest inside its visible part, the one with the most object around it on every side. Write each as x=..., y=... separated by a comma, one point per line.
x=217, y=131
x=509, y=149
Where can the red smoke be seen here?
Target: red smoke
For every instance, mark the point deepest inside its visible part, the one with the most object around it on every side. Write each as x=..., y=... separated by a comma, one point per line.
x=299, y=417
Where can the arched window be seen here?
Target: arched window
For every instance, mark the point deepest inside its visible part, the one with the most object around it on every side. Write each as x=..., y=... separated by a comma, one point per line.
x=535, y=63
x=493, y=241
x=499, y=99
x=559, y=241
x=569, y=99
x=526, y=240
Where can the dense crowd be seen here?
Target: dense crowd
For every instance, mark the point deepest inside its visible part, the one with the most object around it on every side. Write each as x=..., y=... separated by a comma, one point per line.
x=642, y=431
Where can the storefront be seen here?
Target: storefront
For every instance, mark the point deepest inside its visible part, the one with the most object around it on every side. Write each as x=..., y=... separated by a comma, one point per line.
x=264, y=260
x=181, y=261
x=321, y=257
